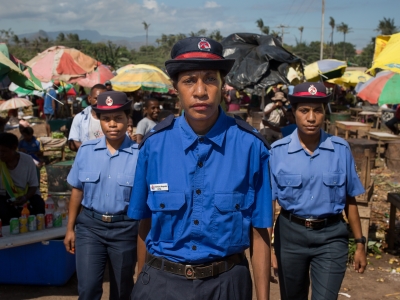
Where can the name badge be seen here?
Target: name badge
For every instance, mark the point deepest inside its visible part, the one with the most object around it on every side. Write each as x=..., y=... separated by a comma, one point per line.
x=159, y=187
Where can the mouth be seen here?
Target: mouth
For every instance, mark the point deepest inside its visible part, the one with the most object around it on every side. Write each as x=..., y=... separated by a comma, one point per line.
x=311, y=127
x=200, y=106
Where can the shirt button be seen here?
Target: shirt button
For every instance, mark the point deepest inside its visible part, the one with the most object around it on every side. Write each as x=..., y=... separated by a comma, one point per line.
x=194, y=247
x=127, y=182
x=311, y=158
x=237, y=206
x=87, y=178
x=198, y=192
x=162, y=205
x=200, y=164
x=196, y=222
x=107, y=195
x=109, y=176
x=201, y=140
x=312, y=197
x=334, y=182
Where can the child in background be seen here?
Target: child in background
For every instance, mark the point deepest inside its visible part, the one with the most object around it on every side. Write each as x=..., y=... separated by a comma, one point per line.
x=151, y=110
x=129, y=130
x=29, y=144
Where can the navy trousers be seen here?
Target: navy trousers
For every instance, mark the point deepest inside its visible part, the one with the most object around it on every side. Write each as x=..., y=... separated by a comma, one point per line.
x=153, y=284
x=302, y=252
x=97, y=242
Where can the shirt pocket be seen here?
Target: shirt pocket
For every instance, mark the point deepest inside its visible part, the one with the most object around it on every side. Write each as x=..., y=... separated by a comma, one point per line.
x=289, y=187
x=232, y=218
x=89, y=182
x=335, y=183
x=125, y=183
x=167, y=214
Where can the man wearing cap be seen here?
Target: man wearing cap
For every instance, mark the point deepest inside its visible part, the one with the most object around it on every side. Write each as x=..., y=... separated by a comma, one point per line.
x=314, y=179
x=274, y=113
x=102, y=179
x=202, y=191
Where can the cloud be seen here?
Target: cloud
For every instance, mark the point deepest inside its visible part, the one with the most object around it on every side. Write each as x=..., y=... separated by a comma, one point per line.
x=150, y=4
x=211, y=4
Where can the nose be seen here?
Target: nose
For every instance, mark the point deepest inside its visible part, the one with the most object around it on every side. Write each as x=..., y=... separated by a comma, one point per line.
x=200, y=90
x=112, y=123
x=311, y=116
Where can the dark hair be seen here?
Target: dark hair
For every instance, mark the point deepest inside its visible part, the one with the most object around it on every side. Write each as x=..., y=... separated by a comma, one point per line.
x=98, y=86
x=147, y=102
x=8, y=140
x=126, y=111
x=27, y=130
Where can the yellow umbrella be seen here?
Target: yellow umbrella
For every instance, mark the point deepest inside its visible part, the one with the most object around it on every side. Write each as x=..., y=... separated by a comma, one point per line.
x=324, y=69
x=145, y=77
x=351, y=78
x=389, y=58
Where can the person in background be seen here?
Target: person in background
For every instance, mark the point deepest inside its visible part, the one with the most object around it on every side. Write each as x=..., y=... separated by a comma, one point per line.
x=392, y=123
x=289, y=127
x=232, y=98
x=86, y=125
x=129, y=130
x=151, y=111
x=50, y=106
x=19, y=182
x=98, y=228
x=29, y=144
x=108, y=85
x=274, y=114
x=82, y=91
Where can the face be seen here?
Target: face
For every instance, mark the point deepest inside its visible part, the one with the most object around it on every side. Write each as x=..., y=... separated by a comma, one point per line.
x=114, y=125
x=93, y=96
x=6, y=154
x=108, y=87
x=130, y=126
x=309, y=117
x=153, y=110
x=27, y=137
x=200, y=94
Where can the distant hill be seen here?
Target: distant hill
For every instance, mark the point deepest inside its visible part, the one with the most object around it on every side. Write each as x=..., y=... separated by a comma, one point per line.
x=94, y=36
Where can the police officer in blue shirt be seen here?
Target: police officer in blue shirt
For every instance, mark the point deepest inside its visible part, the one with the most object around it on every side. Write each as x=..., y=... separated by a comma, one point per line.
x=202, y=191
x=102, y=178
x=314, y=179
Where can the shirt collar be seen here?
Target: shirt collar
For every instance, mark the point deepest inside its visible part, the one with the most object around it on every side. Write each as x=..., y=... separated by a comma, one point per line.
x=216, y=134
x=325, y=142
x=126, y=145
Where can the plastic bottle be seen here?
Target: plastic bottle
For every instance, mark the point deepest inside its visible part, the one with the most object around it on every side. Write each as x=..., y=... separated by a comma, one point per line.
x=49, y=209
x=62, y=209
x=25, y=211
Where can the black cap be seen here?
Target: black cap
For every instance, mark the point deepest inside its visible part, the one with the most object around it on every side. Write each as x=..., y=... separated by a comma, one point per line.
x=112, y=101
x=309, y=92
x=197, y=53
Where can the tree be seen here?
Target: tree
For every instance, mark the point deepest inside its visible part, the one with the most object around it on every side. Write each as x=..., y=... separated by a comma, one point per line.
x=332, y=24
x=25, y=42
x=345, y=29
x=60, y=38
x=301, y=28
x=146, y=28
x=5, y=35
x=216, y=35
x=387, y=27
x=260, y=25
x=16, y=40
x=367, y=55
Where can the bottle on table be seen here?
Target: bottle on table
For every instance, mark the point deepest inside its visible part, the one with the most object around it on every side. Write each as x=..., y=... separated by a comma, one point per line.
x=49, y=209
x=25, y=211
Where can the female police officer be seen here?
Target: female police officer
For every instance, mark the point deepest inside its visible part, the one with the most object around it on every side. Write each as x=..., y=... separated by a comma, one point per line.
x=202, y=191
x=102, y=179
x=314, y=179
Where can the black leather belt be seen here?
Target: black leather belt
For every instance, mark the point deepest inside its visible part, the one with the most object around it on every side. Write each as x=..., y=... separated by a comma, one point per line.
x=106, y=218
x=311, y=223
x=195, y=271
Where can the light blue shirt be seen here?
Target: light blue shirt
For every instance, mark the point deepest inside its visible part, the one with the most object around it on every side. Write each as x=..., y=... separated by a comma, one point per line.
x=313, y=186
x=47, y=107
x=106, y=180
x=214, y=188
x=80, y=126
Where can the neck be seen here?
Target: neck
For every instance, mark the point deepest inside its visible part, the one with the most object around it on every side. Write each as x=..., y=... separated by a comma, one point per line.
x=93, y=114
x=201, y=127
x=309, y=142
x=113, y=145
x=13, y=162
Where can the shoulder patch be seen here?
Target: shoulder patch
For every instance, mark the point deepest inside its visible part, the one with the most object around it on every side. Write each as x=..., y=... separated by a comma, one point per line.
x=284, y=141
x=91, y=142
x=339, y=140
x=167, y=122
x=247, y=127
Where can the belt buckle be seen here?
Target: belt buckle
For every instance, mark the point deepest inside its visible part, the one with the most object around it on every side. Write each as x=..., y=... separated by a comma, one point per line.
x=309, y=223
x=106, y=218
x=189, y=272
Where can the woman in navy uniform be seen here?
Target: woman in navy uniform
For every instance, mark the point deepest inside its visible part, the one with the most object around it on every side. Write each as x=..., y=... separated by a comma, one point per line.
x=102, y=178
x=202, y=191
x=314, y=179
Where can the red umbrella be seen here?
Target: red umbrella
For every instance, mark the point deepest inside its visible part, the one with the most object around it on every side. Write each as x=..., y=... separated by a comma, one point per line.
x=100, y=75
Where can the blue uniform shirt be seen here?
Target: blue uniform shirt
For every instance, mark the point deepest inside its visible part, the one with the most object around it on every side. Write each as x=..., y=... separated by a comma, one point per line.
x=106, y=180
x=212, y=189
x=313, y=186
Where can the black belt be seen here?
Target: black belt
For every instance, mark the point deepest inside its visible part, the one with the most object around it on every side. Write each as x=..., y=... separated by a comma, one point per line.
x=311, y=223
x=195, y=271
x=106, y=218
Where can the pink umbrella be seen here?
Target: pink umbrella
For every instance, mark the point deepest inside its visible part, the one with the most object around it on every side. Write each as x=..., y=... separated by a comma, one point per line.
x=100, y=75
x=61, y=63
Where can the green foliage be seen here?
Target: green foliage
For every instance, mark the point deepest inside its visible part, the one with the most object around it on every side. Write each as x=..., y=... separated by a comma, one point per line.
x=387, y=27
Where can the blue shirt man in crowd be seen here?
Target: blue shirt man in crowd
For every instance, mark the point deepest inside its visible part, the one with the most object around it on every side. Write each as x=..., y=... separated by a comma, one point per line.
x=202, y=191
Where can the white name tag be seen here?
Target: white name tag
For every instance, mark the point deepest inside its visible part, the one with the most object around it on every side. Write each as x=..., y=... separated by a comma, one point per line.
x=159, y=187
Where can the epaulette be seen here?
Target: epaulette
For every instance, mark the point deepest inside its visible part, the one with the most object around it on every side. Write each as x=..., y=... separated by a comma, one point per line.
x=339, y=140
x=168, y=121
x=91, y=142
x=284, y=141
x=246, y=126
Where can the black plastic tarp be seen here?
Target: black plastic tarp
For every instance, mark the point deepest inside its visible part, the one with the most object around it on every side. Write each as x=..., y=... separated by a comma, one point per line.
x=261, y=61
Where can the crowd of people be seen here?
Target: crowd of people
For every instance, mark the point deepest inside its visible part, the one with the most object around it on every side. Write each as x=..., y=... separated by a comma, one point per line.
x=185, y=195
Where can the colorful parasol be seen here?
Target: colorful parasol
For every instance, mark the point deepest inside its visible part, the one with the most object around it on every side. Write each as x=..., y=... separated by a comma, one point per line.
x=325, y=69
x=351, y=78
x=383, y=89
x=389, y=57
x=15, y=103
x=61, y=63
x=145, y=77
x=100, y=75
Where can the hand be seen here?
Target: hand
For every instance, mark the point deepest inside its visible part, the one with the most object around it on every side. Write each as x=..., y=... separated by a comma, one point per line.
x=360, y=258
x=274, y=265
x=69, y=241
x=279, y=104
x=20, y=200
x=134, y=137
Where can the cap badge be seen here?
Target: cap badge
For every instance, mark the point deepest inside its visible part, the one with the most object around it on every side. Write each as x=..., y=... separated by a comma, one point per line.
x=204, y=45
x=312, y=90
x=109, y=101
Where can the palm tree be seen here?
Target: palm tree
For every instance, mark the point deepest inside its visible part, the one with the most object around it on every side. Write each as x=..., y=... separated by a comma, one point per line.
x=387, y=27
x=301, y=28
x=345, y=29
x=25, y=42
x=146, y=28
x=260, y=25
x=332, y=24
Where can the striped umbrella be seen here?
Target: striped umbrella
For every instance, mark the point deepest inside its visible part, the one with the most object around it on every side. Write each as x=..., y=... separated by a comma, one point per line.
x=383, y=89
x=15, y=103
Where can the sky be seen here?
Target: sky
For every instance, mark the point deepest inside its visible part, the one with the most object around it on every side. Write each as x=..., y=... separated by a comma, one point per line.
x=124, y=17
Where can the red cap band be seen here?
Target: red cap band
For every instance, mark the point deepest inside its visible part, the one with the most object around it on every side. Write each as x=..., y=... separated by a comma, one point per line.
x=309, y=94
x=198, y=55
x=109, y=107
